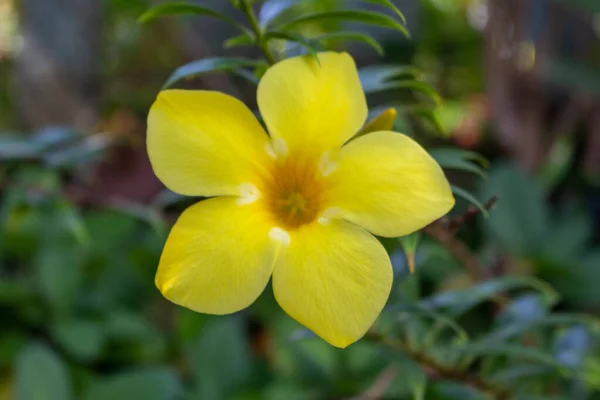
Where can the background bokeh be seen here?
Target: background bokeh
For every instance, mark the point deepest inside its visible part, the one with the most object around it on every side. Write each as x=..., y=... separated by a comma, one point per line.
x=83, y=219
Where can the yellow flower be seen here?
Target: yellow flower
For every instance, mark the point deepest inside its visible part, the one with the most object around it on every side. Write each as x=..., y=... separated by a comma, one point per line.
x=300, y=204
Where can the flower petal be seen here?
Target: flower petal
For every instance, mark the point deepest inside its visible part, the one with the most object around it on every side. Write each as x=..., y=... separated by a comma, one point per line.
x=204, y=143
x=334, y=278
x=218, y=257
x=312, y=106
x=388, y=184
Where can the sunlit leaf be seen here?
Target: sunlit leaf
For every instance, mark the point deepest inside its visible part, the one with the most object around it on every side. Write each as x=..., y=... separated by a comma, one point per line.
x=366, y=17
x=206, y=65
x=460, y=192
x=182, y=8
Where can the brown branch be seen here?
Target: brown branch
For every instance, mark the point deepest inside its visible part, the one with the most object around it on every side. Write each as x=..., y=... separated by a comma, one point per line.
x=444, y=231
x=458, y=249
x=436, y=370
x=380, y=386
x=457, y=222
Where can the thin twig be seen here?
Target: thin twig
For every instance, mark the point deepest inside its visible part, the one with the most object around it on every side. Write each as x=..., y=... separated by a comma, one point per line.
x=377, y=390
x=457, y=222
x=443, y=231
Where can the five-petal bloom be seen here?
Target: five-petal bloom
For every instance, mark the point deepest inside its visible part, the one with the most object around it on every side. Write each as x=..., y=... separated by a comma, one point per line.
x=300, y=204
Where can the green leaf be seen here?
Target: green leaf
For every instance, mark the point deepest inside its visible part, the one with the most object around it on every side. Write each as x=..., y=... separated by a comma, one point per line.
x=512, y=374
x=428, y=114
x=460, y=192
x=416, y=86
x=278, y=11
x=220, y=358
x=81, y=339
x=70, y=217
x=520, y=222
x=453, y=158
x=409, y=244
x=58, y=275
x=458, y=302
x=351, y=36
x=240, y=40
x=294, y=38
x=180, y=8
x=375, y=78
x=365, y=17
x=207, y=65
x=147, y=384
x=515, y=351
x=391, y=6
x=40, y=374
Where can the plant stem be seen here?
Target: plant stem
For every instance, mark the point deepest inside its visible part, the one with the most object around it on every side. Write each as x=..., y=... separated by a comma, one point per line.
x=258, y=31
x=435, y=369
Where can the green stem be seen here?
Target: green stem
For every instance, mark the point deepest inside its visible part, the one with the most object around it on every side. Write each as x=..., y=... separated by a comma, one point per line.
x=443, y=371
x=260, y=34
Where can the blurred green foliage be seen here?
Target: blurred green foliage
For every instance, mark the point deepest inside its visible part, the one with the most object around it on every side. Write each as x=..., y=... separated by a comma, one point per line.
x=81, y=318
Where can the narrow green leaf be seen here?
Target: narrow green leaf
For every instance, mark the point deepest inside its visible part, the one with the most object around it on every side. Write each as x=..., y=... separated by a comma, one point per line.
x=207, y=65
x=40, y=374
x=365, y=17
x=415, y=85
x=458, y=302
x=180, y=8
x=516, y=351
x=453, y=158
x=390, y=5
x=294, y=38
x=247, y=75
x=278, y=11
x=512, y=374
x=373, y=78
x=514, y=330
x=460, y=192
x=428, y=114
x=240, y=40
x=348, y=36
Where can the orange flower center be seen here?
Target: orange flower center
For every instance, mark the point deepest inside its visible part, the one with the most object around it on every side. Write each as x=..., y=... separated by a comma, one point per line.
x=294, y=191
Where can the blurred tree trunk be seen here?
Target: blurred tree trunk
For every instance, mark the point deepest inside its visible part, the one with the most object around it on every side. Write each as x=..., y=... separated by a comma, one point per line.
x=57, y=69
x=531, y=103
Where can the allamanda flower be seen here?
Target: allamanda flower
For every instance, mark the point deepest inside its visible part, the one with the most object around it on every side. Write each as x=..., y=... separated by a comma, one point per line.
x=300, y=204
